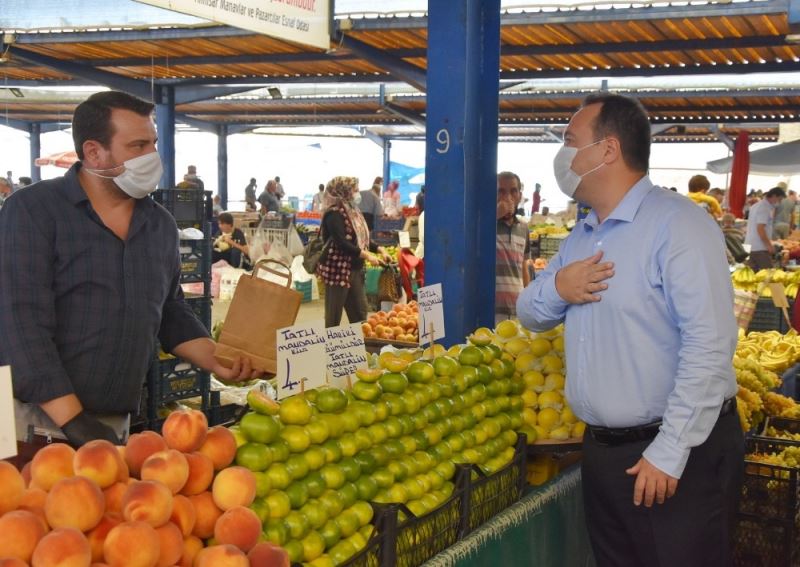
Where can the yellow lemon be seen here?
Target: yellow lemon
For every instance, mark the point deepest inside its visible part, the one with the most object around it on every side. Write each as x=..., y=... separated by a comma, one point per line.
x=507, y=329
x=554, y=382
x=548, y=418
x=529, y=416
x=533, y=380
x=524, y=362
x=541, y=433
x=551, y=364
x=516, y=346
x=530, y=399
x=561, y=433
x=551, y=400
x=539, y=346
x=578, y=429
x=558, y=344
x=567, y=416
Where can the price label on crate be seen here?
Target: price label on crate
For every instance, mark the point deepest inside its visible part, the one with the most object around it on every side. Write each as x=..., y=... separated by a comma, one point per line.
x=346, y=352
x=404, y=239
x=778, y=295
x=431, y=313
x=301, y=358
x=8, y=435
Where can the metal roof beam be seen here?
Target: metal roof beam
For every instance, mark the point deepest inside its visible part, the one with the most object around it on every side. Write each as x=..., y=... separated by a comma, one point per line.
x=188, y=94
x=95, y=36
x=407, y=115
x=735, y=69
x=203, y=125
x=640, y=94
x=282, y=79
x=400, y=69
x=23, y=125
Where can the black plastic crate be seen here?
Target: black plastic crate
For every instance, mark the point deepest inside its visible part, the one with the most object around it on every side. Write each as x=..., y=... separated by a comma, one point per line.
x=784, y=424
x=766, y=531
x=190, y=207
x=173, y=379
x=219, y=414
x=421, y=537
x=767, y=317
x=195, y=260
x=201, y=305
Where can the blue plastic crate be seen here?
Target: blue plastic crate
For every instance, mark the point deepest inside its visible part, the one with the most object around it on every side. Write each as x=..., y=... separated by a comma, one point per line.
x=305, y=289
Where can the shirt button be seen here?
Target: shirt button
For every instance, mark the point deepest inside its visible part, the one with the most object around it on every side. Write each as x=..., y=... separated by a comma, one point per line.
x=599, y=242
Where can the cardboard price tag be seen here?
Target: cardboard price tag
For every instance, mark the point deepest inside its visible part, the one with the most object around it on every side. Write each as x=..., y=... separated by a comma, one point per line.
x=301, y=358
x=431, y=313
x=404, y=238
x=8, y=427
x=345, y=351
x=779, y=295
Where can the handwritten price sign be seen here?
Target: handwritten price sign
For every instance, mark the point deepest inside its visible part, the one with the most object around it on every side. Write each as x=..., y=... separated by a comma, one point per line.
x=431, y=312
x=301, y=358
x=345, y=351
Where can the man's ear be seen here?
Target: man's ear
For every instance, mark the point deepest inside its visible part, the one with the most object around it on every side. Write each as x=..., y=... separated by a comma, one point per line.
x=613, y=151
x=93, y=152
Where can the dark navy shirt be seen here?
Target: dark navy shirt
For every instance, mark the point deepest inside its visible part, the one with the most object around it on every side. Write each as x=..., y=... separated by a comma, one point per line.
x=80, y=309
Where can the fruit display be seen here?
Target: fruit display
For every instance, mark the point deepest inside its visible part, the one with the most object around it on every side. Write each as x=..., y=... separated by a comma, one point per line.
x=781, y=434
x=392, y=251
x=746, y=279
x=544, y=229
x=398, y=324
x=789, y=457
x=161, y=500
x=772, y=350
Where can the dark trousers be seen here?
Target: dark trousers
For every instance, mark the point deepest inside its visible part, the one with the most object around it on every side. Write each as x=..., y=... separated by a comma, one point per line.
x=352, y=299
x=691, y=529
x=760, y=260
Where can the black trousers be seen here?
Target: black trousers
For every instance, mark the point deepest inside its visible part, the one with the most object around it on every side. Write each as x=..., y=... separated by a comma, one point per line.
x=352, y=299
x=691, y=529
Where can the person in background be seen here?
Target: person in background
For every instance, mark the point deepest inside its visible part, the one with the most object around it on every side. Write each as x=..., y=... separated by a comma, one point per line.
x=537, y=199
x=698, y=185
x=231, y=244
x=279, y=188
x=513, y=247
x=370, y=204
x=643, y=289
x=759, y=230
x=420, y=204
x=10, y=179
x=5, y=190
x=216, y=208
x=79, y=316
x=268, y=200
x=734, y=239
x=342, y=270
x=250, y=194
x=391, y=201
x=191, y=177
x=783, y=216
x=316, y=202
x=24, y=182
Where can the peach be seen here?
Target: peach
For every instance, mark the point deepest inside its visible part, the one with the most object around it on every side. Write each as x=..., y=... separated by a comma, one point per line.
x=50, y=464
x=114, y=495
x=26, y=473
x=201, y=473
x=191, y=547
x=33, y=500
x=12, y=487
x=63, y=547
x=220, y=447
x=139, y=447
x=74, y=502
x=238, y=526
x=147, y=501
x=266, y=554
x=20, y=531
x=12, y=562
x=207, y=514
x=97, y=460
x=183, y=514
x=170, y=541
x=185, y=430
x=98, y=535
x=221, y=556
x=132, y=544
x=235, y=486
x=169, y=467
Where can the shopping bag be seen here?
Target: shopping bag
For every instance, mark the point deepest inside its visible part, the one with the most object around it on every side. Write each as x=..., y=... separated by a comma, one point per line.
x=389, y=284
x=744, y=306
x=296, y=247
x=258, y=309
x=315, y=252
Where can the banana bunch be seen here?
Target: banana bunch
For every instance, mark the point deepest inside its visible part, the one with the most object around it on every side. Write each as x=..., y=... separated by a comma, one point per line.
x=772, y=350
x=746, y=279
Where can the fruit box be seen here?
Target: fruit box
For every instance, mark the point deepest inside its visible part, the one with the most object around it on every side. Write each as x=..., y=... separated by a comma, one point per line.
x=421, y=537
x=190, y=207
x=173, y=379
x=195, y=260
x=785, y=424
x=766, y=532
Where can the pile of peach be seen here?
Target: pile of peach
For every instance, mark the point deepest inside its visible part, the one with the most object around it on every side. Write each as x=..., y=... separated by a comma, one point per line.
x=399, y=324
x=156, y=502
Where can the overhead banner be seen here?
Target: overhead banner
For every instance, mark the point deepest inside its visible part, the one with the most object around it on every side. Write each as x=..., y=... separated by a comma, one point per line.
x=301, y=21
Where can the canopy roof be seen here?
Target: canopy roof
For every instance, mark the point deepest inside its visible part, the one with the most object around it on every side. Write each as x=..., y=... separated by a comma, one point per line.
x=780, y=159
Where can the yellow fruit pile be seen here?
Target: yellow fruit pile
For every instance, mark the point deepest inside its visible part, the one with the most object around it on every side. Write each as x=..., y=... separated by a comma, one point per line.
x=771, y=349
x=547, y=230
x=745, y=278
x=789, y=457
x=781, y=434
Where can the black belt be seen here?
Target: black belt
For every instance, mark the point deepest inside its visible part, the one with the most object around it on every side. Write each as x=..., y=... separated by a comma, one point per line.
x=621, y=435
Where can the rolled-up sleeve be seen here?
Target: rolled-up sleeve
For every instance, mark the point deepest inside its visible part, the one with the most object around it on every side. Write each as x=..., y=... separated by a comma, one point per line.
x=27, y=307
x=539, y=306
x=178, y=322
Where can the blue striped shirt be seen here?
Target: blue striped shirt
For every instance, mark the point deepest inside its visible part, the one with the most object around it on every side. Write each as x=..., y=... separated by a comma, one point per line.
x=80, y=309
x=659, y=344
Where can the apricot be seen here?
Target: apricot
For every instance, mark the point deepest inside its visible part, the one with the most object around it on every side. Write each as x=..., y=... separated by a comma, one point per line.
x=12, y=487
x=221, y=556
x=234, y=486
x=139, y=447
x=98, y=535
x=183, y=514
x=191, y=547
x=63, y=547
x=114, y=495
x=219, y=446
x=185, y=430
x=12, y=562
x=20, y=531
x=99, y=461
x=238, y=526
x=50, y=464
x=74, y=502
x=207, y=513
x=132, y=544
x=201, y=473
x=266, y=554
x=169, y=467
x=170, y=541
x=33, y=500
x=147, y=501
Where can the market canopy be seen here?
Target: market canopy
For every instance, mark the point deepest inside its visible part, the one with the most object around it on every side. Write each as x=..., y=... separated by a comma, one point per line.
x=780, y=159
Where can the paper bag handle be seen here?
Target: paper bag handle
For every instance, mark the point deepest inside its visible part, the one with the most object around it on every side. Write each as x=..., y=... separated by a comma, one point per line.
x=261, y=264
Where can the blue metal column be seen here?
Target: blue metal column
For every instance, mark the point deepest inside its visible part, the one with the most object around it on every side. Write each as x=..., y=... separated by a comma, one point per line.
x=461, y=159
x=387, y=158
x=35, y=132
x=222, y=165
x=165, y=124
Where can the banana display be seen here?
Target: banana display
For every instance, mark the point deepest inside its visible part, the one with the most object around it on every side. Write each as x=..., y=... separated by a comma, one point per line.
x=781, y=434
x=541, y=229
x=772, y=350
x=746, y=279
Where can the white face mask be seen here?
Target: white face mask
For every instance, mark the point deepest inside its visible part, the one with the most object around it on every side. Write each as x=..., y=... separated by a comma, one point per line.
x=566, y=178
x=141, y=175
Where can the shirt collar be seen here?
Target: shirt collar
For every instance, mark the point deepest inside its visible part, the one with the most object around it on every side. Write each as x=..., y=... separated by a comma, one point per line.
x=628, y=207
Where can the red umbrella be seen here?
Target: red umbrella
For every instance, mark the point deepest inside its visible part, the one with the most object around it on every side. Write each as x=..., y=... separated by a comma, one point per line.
x=61, y=159
x=739, y=171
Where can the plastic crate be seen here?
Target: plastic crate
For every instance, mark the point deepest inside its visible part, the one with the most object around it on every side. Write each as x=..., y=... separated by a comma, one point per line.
x=190, y=207
x=766, y=532
x=389, y=225
x=548, y=246
x=782, y=424
x=173, y=379
x=219, y=414
x=267, y=235
x=767, y=317
x=195, y=260
x=201, y=305
x=421, y=537
x=283, y=221
x=305, y=289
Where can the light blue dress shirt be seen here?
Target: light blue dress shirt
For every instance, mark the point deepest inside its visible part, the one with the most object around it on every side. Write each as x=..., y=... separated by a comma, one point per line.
x=659, y=344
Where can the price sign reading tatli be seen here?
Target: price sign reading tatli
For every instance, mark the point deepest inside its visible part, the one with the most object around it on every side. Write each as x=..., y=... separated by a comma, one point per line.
x=345, y=351
x=301, y=358
x=431, y=313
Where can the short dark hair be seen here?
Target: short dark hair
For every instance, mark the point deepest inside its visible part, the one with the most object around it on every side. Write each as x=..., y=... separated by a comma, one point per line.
x=225, y=218
x=92, y=117
x=625, y=119
x=510, y=175
x=322, y=187
x=775, y=192
x=699, y=183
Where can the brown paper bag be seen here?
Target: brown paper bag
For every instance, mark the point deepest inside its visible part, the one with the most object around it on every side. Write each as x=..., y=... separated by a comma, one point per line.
x=257, y=310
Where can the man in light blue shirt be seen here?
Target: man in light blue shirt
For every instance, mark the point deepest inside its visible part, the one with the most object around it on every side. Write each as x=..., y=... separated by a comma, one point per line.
x=759, y=229
x=643, y=286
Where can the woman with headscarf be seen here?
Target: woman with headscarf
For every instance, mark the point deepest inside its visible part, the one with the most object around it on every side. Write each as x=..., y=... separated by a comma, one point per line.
x=391, y=201
x=342, y=271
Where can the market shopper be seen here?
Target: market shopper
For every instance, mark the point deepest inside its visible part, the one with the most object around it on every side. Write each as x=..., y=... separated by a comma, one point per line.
x=783, y=216
x=250, y=195
x=231, y=244
x=391, y=201
x=268, y=199
x=370, y=204
x=698, y=186
x=316, y=202
x=342, y=270
x=513, y=247
x=759, y=230
x=645, y=294
x=90, y=269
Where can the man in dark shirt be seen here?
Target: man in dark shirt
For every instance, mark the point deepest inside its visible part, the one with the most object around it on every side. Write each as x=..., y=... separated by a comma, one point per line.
x=90, y=271
x=268, y=199
x=231, y=244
